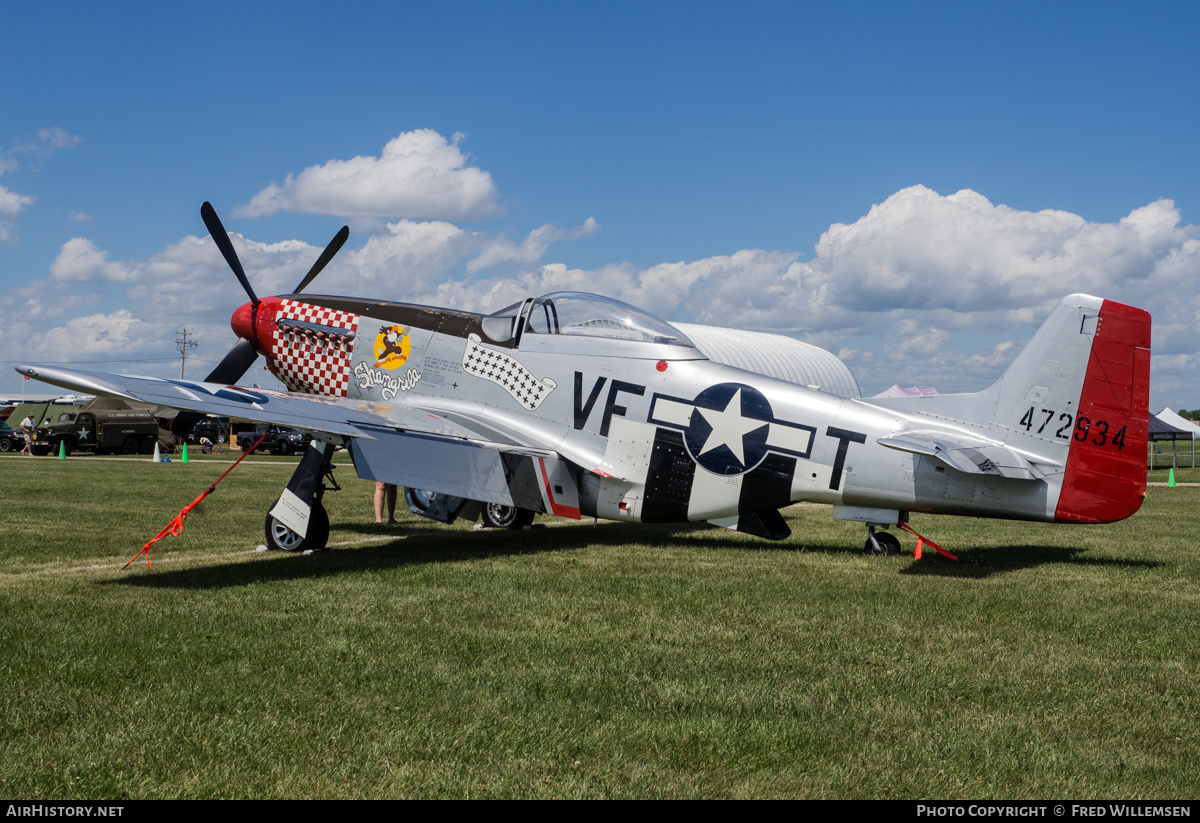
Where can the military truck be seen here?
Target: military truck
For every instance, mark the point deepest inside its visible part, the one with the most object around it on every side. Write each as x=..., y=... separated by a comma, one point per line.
x=127, y=431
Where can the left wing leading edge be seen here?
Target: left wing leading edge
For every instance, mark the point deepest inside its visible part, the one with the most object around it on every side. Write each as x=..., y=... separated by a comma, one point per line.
x=319, y=414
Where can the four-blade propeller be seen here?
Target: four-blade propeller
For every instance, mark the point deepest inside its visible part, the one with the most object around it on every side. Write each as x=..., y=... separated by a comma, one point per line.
x=241, y=357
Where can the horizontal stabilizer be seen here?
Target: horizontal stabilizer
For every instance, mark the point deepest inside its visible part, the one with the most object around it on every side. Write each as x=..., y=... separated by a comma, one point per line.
x=964, y=454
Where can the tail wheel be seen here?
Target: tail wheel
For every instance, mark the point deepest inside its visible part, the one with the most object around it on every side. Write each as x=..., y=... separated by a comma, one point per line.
x=281, y=538
x=889, y=544
x=499, y=516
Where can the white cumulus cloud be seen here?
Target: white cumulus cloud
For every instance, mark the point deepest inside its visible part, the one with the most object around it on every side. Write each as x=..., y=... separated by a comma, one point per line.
x=419, y=174
x=531, y=249
x=11, y=205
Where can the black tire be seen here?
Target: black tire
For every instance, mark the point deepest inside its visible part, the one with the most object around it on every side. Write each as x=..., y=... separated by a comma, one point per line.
x=246, y=447
x=146, y=446
x=130, y=445
x=281, y=538
x=283, y=450
x=889, y=544
x=499, y=516
x=6, y=445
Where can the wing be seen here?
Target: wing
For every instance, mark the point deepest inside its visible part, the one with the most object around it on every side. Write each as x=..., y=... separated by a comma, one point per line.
x=319, y=414
x=457, y=448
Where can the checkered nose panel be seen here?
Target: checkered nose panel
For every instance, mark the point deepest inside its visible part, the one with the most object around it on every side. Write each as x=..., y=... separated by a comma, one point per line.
x=308, y=362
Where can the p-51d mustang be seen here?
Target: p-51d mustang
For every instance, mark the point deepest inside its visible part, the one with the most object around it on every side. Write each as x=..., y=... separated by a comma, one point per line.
x=577, y=405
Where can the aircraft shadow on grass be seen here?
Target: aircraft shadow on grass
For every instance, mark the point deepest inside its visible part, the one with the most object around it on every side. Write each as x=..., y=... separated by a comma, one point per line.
x=994, y=560
x=412, y=547
x=420, y=547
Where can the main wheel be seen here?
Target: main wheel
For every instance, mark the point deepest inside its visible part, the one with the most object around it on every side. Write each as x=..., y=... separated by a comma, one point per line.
x=499, y=516
x=281, y=538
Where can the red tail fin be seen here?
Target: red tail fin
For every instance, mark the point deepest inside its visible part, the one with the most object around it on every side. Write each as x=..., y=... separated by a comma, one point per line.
x=1105, y=478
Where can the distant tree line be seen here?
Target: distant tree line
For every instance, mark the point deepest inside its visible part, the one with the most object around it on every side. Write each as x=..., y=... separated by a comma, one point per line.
x=1189, y=415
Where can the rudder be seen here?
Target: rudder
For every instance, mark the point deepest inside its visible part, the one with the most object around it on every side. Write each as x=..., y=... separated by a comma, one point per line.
x=1105, y=477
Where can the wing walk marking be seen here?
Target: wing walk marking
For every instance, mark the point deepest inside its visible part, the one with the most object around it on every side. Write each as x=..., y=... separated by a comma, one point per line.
x=501, y=368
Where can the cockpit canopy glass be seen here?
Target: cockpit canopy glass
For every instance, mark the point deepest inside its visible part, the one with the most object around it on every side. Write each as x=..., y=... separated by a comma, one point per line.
x=580, y=313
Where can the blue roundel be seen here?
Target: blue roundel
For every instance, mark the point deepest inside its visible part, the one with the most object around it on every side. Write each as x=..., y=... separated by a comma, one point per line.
x=727, y=433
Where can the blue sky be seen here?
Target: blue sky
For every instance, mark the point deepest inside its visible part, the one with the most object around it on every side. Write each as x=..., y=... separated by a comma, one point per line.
x=909, y=185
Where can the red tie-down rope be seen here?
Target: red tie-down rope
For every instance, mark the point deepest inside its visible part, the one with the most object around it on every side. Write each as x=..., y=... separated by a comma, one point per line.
x=175, y=527
x=920, y=540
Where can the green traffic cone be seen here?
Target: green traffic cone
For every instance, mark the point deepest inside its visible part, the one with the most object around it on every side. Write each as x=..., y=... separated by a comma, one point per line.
x=1171, y=478
x=62, y=449
x=184, y=459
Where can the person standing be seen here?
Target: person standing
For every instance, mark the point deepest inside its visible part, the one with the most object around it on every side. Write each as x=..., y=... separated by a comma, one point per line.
x=28, y=427
x=383, y=490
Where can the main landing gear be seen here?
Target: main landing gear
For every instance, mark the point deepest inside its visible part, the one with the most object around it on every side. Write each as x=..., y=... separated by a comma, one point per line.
x=499, y=516
x=297, y=520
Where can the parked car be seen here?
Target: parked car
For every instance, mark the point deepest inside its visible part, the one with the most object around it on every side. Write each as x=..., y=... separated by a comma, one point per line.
x=11, y=440
x=279, y=439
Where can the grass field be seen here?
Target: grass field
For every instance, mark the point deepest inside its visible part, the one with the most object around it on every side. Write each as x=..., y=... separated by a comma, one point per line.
x=579, y=660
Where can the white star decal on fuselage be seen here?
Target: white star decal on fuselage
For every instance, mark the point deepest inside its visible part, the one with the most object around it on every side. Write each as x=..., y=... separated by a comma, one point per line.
x=729, y=427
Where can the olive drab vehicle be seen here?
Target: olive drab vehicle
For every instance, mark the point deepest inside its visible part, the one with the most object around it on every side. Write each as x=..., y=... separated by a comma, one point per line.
x=101, y=430
x=576, y=405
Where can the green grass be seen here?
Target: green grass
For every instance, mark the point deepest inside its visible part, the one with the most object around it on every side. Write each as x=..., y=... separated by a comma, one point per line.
x=580, y=661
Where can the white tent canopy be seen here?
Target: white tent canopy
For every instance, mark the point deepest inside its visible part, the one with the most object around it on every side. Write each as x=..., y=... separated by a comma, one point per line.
x=1168, y=416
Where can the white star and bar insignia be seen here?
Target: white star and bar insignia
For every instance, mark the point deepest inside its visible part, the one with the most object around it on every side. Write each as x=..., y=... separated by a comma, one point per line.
x=730, y=428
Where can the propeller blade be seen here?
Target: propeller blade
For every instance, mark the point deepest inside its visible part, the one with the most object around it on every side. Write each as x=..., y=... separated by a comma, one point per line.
x=236, y=362
x=221, y=238
x=333, y=248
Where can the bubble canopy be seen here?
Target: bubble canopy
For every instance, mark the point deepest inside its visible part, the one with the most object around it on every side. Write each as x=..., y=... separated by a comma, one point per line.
x=582, y=314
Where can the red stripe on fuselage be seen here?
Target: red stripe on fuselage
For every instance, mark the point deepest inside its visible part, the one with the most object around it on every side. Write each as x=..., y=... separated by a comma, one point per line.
x=1105, y=478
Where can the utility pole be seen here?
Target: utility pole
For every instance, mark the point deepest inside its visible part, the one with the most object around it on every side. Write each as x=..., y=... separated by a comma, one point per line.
x=183, y=344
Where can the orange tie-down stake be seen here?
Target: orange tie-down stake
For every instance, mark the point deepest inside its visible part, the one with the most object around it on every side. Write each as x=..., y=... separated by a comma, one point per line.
x=921, y=540
x=175, y=527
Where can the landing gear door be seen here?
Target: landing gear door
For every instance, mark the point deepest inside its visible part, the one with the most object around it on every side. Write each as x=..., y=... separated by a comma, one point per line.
x=556, y=481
